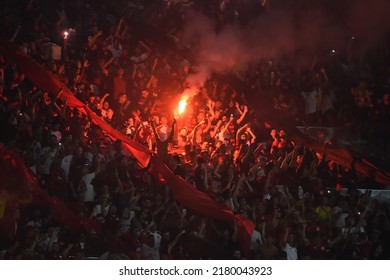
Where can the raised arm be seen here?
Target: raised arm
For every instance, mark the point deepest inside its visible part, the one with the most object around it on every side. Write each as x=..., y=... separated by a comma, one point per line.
x=15, y=33
x=118, y=28
x=241, y=118
x=106, y=64
x=192, y=135
x=323, y=156
x=238, y=108
x=223, y=130
x=147, y=48
x=170, y=138
x=214, y=133
x=103, y=99
x=155, y=130
x=207, y=128
x=239, y=131
x=172, y=245
x=253, y=136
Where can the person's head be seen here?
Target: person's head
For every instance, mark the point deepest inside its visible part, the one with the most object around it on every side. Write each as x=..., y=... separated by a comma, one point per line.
x=112, y=211
x=116, y=42
x=200, y=117
x=236, y=153
x=204, y=146
x=149, y=240
x=91, y=99
x=274, y=133
x=291, y=238
x=167, y=236
x=144, y=94
x=244, y=213
x=106, y=105
x=121, y=71
x=141, y=74
x=218, y=144
x=122, y=98
x=163, y=121
x=156, y=119
x=130, y=121
x=183, y=132
x=243, y=137
x=137, y=50
x=53, y=141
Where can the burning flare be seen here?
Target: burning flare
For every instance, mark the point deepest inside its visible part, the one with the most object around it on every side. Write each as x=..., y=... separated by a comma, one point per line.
x=182, y=106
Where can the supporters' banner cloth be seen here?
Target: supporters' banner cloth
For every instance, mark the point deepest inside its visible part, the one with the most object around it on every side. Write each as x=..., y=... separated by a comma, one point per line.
x=21, y=186
x=140, y=152
x=190, y=197
x=38, y=74
x=183, y=192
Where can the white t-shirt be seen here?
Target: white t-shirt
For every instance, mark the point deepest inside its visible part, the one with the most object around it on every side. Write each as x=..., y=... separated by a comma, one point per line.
x=310, y=99
x=89, y=194
x=139, y=59
x=65, y=165
x=256, y=236
x=116, y=52
x=292, y=252
x=89, y=157
x=154, y=252
x=107, y=114
x=126, y=223
x=57, y=134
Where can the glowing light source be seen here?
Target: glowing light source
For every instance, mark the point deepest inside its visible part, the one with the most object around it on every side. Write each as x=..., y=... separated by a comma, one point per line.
x=183, y=102
x=182, y=106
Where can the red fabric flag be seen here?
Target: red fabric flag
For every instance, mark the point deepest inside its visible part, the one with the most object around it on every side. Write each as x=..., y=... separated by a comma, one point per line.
x=183, y=192
x=245, y=230
x=141, y=153
x=191, y=198
x=38, y=74
x=22, y=187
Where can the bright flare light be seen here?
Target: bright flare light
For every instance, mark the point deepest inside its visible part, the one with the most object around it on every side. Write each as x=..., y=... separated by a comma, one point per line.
x=182, y=106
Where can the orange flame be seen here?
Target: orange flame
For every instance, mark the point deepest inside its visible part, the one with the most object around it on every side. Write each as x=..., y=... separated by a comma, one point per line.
x=182, y=106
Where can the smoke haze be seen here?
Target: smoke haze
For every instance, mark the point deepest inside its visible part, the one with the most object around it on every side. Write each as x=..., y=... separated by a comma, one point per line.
x=314, y=27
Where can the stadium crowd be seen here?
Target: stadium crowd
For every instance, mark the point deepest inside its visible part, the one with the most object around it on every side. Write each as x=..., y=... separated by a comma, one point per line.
x=124, y=61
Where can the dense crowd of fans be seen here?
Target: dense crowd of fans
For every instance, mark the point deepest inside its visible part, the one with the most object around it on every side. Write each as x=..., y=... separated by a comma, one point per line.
x=131, y=71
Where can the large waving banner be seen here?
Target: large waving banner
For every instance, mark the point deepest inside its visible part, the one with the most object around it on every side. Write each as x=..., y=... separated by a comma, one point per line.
x=19, y=185
x=183, y=192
